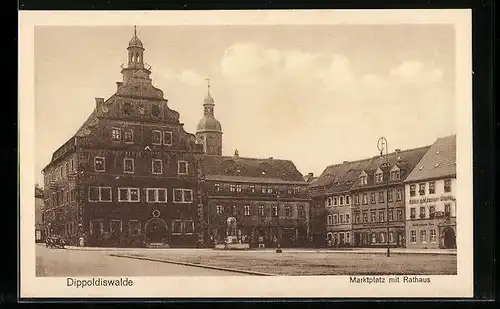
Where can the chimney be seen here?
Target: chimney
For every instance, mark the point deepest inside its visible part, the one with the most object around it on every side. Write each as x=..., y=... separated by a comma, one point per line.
x=310, y=175
x=118, y=85
x=99, y=102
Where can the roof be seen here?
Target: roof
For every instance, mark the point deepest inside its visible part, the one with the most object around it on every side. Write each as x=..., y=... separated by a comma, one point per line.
x=405, y=160
x=240, y=169
x=337, y=173
x=438, y=162
x=208, y=123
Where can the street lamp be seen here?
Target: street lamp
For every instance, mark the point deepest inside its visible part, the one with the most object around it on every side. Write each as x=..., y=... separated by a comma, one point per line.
x=382, y=145
x=278, y=238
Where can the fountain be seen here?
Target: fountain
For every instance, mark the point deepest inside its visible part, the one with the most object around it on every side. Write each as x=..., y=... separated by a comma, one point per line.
x=233, y=240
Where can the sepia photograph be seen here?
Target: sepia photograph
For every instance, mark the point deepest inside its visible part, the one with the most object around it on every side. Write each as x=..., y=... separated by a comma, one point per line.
x=329, y=150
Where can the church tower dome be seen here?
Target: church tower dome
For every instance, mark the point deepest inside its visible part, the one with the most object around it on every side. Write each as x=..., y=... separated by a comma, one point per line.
x=209, y=129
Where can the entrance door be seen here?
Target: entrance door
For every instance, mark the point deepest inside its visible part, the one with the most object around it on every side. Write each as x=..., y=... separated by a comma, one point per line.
x=449, y=238
x=156, y=231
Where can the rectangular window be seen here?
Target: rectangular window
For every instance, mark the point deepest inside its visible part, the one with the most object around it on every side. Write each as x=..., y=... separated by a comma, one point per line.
x=134, y=227
x=422, y=212
x=395, y=175
x=188, y=226
x=115, y=227
x=288, y=211
x=72, y=165
x=348, y=238
x=447, y=185
x=128, y=136
x=341, y=200
x=217, y=187
x=365, y=217
x=238, y=188
x=335, y=219
x=66, y=167
x=329, y=201
x=128, y=195
x=382, y=237
x=399, y=214
x=381, y=216
x=156, y=137
x=235, y=210
x=99, y=194
x=296, y=190
x=423, y=236
x=261, y=210
x=373, y=216
x=128, y=165
x=447, y=210
x=363, y=180
x=341, y=238
x=391, y=236
x=413, y=213
x=264, y=190
x=270, y=190
x=374, y=238
x=391, y=215
x=433, y=235
x=372, y=197
x=421, y=189
x=347, y=200
x=176, y=227
x=356, y=199
x=347, y=218
x=247, y=210
x=252, y=189
x=156, y=195
x=167, y=138
x=342, y=219
x=356, y=218
x=413, y=237
x=413, y=188
x=232, y=188
x=182, y=167
x=365, y=199
x=300, y=212
x=155, y=110
x=432, y=212
x=399, y=194
x=335, y=201
x=157, y=166
x=96, y=227
x=219, y=209
x=389, y=198
x=379, y=177
x=432, y=187
x=183, y=196
x=275, y=210
x=116, y=134
x=381, y=197
x=99, y=164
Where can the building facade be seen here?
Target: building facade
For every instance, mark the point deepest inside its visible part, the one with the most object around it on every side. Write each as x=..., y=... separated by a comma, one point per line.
x=40, y=229
x=431, y=203
x=129, y=176
x=267, y=198
x=379, y=199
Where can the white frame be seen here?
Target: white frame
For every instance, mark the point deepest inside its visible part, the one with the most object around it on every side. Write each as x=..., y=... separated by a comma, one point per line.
x=125, y=134
x=119, y=134
x=183, y=196
x=111, y=224
x=329, y=220
x=238, y=188
x=423, y=232
x=100, y=200
x=152, y=134
x=433, y=183
x=431, y=240
x=347, y=199
x=156, y=194
x=245, y=208
x=173, y=225
x=217, y=208
x=347, y=218
x=414, y=186
x=129, y=190
x=130, y=227
x=179, y=165
x=420, y=188
x=232, y=188
x=412, y=232
x=183, y=227
x=153, y=166
x=101, y=225
x=133, y=165
x=103, y=163
x=163, y=138
x=263, y=212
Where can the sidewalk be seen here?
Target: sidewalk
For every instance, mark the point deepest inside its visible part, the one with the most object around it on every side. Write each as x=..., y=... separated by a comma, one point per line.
x=286, y=250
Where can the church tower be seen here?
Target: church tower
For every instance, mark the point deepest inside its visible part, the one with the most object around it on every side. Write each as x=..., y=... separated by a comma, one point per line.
x=209, y=130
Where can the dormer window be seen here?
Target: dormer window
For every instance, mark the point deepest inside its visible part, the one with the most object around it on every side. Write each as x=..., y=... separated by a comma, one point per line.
x=379, y=177
x=363, y=180
x=395, y=175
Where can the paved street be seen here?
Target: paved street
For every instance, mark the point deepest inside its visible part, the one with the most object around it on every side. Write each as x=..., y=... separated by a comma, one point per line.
x=73, y=263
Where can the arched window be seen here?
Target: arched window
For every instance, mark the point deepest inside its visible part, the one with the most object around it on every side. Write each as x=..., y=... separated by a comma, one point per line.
x=329, y=220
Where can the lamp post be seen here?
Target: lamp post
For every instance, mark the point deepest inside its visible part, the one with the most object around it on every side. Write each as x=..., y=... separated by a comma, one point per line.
x=382, y=145
x=278, y=237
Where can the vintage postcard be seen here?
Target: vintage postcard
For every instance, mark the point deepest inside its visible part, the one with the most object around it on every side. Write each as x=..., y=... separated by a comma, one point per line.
x=255, y=154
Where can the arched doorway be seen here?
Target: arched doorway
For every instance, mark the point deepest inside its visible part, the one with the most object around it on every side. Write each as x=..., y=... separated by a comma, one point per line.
x=449, y=239
x=156, y=231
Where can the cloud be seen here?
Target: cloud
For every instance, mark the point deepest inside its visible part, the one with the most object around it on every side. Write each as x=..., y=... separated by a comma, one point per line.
x=190, y=78
x=415, y=72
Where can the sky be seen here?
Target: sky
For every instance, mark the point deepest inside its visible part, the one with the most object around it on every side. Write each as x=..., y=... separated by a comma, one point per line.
x=316, y=95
